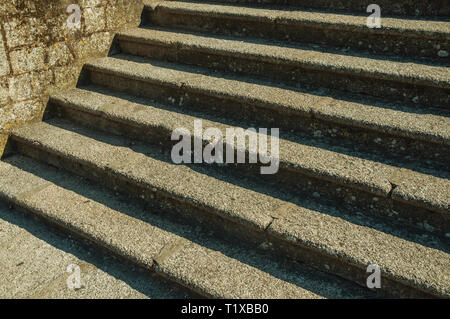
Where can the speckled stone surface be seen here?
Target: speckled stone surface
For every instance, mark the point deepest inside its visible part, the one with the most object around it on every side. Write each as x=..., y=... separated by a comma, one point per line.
x=34, y=261
x=41, y=53
x=397, y=36
x=296, y=16
x=376, y=176
x=324, y=234
x=419, y=8
x=411, y=123
x=329, y=165
x=364, y=174
x=207, y=266
x=419, y=74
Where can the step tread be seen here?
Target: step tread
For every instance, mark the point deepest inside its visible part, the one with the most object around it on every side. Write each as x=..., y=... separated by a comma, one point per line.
x=393, y=25
x=407, y=262
x=409, y=72
x=427, y=190
x=418, y=123
x=155, y=243
x=45, y=255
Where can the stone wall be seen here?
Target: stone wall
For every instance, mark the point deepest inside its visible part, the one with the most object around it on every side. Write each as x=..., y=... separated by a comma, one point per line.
x=41, y=53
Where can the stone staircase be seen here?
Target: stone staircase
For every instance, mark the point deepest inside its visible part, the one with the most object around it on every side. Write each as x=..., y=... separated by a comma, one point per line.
x=364, y=149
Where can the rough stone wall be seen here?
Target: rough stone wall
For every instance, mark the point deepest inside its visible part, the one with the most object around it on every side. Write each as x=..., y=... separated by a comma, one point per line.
x=40, y=53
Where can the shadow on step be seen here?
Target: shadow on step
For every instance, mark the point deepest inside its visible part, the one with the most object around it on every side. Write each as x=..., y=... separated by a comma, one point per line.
x=146, y=283
x=261, y=185
x=326, y=285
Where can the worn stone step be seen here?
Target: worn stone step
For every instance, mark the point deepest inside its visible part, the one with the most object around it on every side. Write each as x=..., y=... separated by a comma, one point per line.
x=414, y=83
x=397, y=36
x=34, y=259
x=419, y=8
x=307, y=167
x=324, y=240
x=180, y=253
x=396, y=128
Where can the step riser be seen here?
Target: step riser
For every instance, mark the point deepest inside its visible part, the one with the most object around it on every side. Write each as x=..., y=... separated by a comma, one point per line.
x=366, y=138
x=238, y=229
x=295, y=75
x=427, y=8
x=362, y=39
x=348, y=198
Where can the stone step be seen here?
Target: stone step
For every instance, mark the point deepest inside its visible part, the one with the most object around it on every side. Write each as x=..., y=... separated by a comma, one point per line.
x=362, y=124
x=321, y=238
x=397, y=36
x=179, y=253
x=413, y=83
x=419, y=8
x=419, y=199
x=34, y=259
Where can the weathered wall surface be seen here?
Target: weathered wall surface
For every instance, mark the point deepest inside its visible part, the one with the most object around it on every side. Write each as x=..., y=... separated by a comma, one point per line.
x=41, y=53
